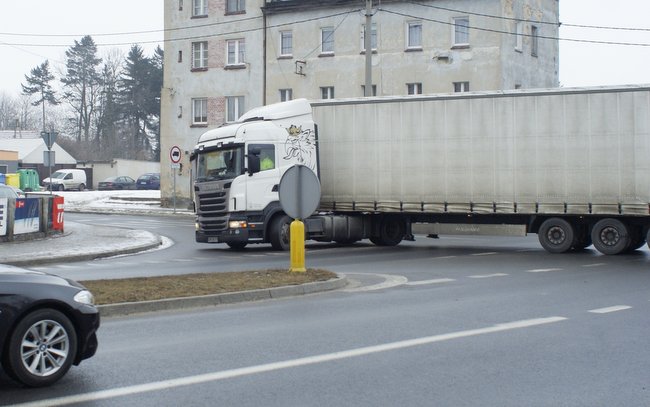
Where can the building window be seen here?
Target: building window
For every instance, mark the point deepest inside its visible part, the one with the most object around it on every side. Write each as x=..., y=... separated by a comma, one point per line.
x=519, y=36
x=236, y=51
x=199, y=8
x=199, y=55
x=180, y=5
x=234, y=108
x=327, y=92
x=461, y=87
x=414, y=88
x=235, y=6
x=180, y=56
x=286, y=94
x=373, y=37
x=534, y=40
x=286, y=43
x=327, y=40
x=374, y=90
x=414, y=35
x=461, y=31
x=200, y=111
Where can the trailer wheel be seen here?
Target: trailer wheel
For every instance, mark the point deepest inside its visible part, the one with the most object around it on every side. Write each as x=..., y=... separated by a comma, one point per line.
x=610, y=236
x=279, y=232
x=391, y=232
x=556, y=235
x=637, y=239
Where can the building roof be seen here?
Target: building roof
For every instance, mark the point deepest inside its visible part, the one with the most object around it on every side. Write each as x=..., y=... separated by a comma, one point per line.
x=30, y=150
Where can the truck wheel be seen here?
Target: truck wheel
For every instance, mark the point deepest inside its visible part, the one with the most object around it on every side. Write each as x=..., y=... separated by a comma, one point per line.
x=556, y=235
x=42, y=348
x=391, y=232
x=637, y=239
x=279, y=233
x=610, y=236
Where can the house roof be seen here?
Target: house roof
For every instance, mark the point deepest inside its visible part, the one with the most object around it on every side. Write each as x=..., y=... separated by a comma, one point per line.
x=30, y=150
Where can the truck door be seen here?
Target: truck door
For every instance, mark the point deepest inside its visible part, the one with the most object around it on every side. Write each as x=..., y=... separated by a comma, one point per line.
x=262, y=185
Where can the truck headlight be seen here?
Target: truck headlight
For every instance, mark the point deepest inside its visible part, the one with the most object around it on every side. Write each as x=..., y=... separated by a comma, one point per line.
x=237, y=224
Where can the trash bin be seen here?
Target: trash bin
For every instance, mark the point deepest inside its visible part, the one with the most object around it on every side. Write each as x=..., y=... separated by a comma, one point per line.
x=13, y=180
x=29, y=180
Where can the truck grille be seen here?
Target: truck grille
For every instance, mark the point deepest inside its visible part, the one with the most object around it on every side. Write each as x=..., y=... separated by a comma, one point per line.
x=212, y=211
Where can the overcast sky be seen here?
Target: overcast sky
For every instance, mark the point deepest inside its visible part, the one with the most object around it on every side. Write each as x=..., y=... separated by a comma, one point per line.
x=60, y=22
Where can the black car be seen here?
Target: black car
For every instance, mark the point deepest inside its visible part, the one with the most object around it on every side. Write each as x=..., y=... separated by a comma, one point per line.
x=149, y=180
x=116, y=183
x=47, y=324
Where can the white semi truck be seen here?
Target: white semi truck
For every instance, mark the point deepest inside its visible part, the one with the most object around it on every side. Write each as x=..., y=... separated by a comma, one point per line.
x=571, y=165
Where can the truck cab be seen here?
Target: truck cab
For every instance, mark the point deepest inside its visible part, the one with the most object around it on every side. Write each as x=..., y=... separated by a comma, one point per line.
x=237, y=168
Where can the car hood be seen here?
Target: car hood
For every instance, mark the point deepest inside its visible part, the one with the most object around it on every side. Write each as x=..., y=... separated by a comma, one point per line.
x=15, y=274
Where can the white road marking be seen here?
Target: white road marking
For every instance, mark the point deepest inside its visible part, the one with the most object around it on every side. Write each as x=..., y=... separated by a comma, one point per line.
x=444, y=257
x=542, y=270
x=489, y=275
x=182, y=260
x=484, y=254
x=389, y=282
x=434, y=281
x=287, y=364
x=594, y=265
x=607, y=310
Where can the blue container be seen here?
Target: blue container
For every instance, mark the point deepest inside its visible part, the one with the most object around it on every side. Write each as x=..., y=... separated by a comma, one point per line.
x=2, y=179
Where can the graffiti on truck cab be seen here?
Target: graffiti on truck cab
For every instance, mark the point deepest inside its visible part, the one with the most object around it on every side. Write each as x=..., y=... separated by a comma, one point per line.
x=301, y=144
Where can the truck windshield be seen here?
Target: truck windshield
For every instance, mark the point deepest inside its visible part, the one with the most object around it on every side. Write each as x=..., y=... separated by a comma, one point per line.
x=219, y=164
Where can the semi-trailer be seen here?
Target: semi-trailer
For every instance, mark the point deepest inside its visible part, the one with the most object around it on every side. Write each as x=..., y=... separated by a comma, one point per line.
x=569, y=164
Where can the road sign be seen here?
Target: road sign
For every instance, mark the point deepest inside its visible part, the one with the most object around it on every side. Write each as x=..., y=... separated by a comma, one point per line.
x=49, y=137
x=175, y=154
x=299, y=192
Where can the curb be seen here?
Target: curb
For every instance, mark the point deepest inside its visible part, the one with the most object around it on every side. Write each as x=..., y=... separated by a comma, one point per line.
x=127, y=308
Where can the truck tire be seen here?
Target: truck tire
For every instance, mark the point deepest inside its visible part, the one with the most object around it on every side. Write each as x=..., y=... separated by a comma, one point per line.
x=556, y=235
x=637, y=239
x=391, y=232
x=610, y=236
x=41, y=348
x=279, y=233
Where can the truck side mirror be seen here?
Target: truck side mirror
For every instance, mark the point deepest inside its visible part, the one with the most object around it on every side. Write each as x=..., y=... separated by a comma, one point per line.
x=253, y=164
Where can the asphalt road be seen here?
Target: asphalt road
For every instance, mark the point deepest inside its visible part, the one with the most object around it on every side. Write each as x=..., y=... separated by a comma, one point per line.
x=445, y=322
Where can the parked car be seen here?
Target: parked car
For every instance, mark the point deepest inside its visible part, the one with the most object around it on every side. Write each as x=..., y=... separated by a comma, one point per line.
x=47, y=324
x=7, y=191
x=116, y=183
x=66, y=179
x=149, y=180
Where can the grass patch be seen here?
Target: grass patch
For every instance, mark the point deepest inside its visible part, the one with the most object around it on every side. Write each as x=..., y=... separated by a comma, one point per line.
x=188, y=285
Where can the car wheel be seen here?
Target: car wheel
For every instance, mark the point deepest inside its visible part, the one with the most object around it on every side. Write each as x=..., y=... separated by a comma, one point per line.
x=41, y=348
x=60, y=188
x=82, y=187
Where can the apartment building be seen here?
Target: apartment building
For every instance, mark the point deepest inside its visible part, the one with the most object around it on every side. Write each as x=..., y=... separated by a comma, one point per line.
x=223, y=57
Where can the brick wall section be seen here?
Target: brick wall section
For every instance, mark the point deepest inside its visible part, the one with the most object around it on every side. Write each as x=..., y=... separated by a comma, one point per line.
x=216, y=111
x=216, y=53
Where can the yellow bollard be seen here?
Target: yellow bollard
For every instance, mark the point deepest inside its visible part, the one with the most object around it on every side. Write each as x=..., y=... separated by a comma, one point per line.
x=297, y=246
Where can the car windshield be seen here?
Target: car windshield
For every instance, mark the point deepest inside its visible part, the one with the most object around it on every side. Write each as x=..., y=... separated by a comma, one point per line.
x=58, y=175
x=220, y=164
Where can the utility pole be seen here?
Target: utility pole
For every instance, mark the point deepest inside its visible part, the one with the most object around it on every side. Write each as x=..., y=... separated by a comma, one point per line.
x=367, y=43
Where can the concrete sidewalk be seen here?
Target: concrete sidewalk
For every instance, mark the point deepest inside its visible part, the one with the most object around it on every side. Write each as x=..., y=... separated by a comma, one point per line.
x=79, y=242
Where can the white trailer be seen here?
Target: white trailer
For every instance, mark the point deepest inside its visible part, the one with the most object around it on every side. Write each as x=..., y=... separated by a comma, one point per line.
x=568, y=164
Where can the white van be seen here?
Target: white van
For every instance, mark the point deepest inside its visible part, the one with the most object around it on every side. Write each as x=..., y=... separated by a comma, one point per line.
x=63, y=180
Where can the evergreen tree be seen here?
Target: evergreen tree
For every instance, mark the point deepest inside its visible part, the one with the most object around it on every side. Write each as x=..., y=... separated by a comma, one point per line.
x=82, y=82
x=38, y=83
x=140, y=102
